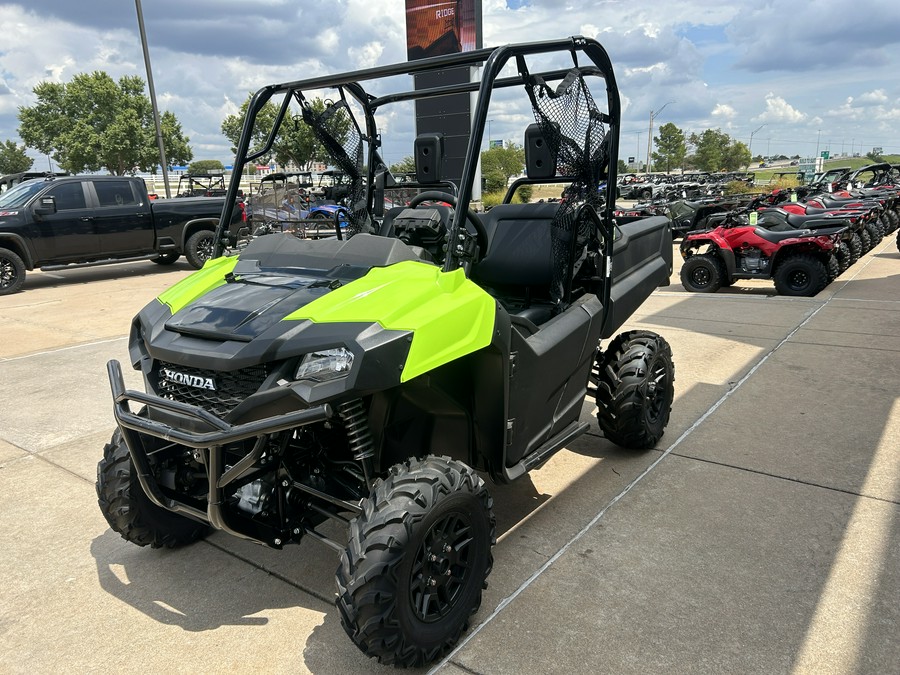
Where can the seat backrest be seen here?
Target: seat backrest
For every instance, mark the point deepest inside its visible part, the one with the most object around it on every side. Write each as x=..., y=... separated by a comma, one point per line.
x=519, y=254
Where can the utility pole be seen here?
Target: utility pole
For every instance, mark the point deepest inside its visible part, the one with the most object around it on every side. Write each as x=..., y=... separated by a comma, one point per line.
x=650, y=137
x=159, y=138
x=750, y=148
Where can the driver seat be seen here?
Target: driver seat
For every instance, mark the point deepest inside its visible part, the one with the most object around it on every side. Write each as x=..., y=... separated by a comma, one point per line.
x=517, y=267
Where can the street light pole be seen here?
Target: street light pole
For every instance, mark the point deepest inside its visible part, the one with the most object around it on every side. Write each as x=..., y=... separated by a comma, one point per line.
x=159, y=138
x=650, y=135
x=752, y=134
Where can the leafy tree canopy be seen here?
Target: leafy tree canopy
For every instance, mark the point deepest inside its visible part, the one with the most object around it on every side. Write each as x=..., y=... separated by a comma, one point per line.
x=205, y=166
x=717, y=151
x=13, y=158
x=295, y=143
x=499, y=164
x=671, y=148
x=405, y=165
x=94, y=122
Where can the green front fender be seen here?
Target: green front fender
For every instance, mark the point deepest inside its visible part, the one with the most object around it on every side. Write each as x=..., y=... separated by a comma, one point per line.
x=448, y=315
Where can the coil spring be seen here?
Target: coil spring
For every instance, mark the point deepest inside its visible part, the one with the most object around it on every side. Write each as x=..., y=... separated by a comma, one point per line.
x=356, y=424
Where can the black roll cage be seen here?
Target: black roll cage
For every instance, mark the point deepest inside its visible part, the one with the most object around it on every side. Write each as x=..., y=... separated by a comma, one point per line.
x=493, y=61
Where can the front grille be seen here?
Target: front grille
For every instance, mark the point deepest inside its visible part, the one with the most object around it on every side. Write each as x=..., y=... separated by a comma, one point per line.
x=231, y=387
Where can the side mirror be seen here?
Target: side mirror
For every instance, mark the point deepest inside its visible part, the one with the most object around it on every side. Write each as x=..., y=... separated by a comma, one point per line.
x=46, y=206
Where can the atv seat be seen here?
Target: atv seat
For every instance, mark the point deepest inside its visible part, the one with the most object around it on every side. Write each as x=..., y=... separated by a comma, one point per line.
x=775, y=236
x=517, y=267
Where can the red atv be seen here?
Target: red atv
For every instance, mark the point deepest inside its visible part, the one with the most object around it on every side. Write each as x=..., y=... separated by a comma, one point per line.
x=801, y=262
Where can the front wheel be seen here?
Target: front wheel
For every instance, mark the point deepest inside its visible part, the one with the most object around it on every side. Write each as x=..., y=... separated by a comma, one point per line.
x=702, y=273
x=416, y=562
x=12, y=272
x=130, y=512
x=199, y=248
x=635, y=389
x=800, y=275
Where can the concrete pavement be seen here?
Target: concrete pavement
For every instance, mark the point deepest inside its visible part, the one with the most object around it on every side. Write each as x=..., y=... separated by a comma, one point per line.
x=762, y=535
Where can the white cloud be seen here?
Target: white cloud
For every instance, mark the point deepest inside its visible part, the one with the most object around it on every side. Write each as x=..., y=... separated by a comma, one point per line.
x=779, y=110
x=725, y=111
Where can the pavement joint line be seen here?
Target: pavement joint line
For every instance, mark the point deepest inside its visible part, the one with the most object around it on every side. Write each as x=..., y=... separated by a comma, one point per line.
x=262, y=568
x=584, y=530
x=62, y=349
x=768, y=474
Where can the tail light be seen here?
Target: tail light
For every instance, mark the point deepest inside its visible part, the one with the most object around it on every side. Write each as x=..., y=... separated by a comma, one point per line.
x=243, y=209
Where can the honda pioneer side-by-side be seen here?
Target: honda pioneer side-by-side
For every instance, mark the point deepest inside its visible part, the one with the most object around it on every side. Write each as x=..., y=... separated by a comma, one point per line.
x=370, y=380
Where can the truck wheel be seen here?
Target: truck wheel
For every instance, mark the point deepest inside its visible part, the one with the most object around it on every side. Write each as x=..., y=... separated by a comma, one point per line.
x=416, y=562
x=199, y=248
x=12, y=272
x=635, y=389
x=702, y=273
x=130, y=512
x=800, y=274
x=167, y=258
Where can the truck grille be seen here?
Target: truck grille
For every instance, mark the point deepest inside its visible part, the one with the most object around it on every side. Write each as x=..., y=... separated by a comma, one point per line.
x=230, y=387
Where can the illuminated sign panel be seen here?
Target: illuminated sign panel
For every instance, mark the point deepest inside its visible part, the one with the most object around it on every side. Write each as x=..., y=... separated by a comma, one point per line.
x=437, y=27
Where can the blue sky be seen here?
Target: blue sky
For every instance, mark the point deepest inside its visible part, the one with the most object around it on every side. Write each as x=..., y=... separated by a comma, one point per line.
x=815, y=75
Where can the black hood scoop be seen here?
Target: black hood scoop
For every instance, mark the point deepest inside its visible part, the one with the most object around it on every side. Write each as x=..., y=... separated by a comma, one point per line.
x=244, y=309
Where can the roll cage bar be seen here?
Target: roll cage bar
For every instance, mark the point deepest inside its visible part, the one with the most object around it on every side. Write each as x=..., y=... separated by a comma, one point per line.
x=493, y=60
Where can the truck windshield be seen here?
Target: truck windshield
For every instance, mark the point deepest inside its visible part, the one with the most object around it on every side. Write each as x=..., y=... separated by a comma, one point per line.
x=21, y=193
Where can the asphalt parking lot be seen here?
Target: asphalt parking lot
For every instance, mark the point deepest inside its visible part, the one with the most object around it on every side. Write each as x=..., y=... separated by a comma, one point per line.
x=762, y=536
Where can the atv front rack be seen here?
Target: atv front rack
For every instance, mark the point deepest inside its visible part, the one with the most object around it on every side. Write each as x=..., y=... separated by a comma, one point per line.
x=218, y=474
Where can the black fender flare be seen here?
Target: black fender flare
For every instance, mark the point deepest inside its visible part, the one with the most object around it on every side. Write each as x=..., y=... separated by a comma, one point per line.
x=195, y=225
x=18, y=245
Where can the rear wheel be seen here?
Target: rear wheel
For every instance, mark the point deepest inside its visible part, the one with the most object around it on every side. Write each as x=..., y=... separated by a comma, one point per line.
x=842, y=254
x=12, y=272
x=130, y=512
x=167, y=258
x=199, y=248
x=416, y=562
x=898, y=241
x=832, y=267
x=635, y=389
x=702, y=273
x=800, y=274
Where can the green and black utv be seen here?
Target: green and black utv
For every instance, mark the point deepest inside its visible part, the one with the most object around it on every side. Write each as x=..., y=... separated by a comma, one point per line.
x=371, y=379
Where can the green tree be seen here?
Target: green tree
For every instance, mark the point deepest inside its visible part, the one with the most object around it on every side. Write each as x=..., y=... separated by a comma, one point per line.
x=205, y=166
x=295, y=143
x=875, y=157
x=13, y=158
x=671, y=148
x=735, y=156
x=405, y=165
x=622, y=167
x=95, y=122
x=499, y=164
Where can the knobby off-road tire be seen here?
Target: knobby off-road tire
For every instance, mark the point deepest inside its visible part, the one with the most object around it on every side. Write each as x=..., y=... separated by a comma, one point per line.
x=832, y=268
x=842, y=254
x=416, y=562
x=12, y=272
x=169, y=258
x=199, y=248
x=800, y=274
x=130, y=512
x=702, y=273
x=635, y=389
x=874, y=233
x=855, y=245
x=898, y=241
x=865, y=240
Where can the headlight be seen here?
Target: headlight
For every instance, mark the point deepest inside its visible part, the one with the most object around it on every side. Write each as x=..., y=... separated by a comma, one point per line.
x=327, y=364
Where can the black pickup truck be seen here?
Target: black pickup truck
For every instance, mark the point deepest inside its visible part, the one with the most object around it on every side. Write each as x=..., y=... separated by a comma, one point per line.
x=76, y=220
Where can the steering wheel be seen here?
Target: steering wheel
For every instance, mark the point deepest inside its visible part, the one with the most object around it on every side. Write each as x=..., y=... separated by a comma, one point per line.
x=471, y=216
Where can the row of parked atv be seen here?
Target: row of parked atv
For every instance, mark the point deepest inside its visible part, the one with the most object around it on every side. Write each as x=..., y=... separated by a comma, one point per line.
x=800, y=238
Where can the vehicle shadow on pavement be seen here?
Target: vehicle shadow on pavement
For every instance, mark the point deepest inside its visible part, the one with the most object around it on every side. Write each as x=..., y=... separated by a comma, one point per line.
x=82, y=275
x=196, y=588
